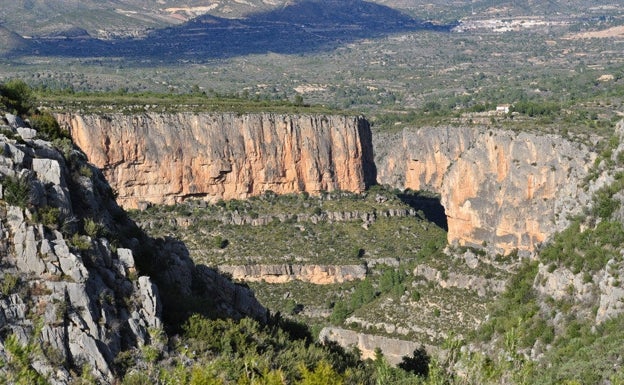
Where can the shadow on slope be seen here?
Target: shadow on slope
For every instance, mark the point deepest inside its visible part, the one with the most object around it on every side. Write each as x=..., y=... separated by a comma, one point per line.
x=187, y=288
x=184, y=287
x=429, y=205
x=301, y=27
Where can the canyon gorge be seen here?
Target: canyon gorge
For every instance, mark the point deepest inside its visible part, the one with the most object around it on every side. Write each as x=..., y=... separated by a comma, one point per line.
x=500, y=189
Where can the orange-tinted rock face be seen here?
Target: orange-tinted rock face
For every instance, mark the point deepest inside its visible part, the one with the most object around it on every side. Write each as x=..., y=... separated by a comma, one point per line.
x=502, y=189
x=165, y=158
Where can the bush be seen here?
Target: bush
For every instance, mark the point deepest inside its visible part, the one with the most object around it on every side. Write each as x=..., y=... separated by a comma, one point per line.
x=136, y=378
x=9, y=283
x=92, y=228
x=418, y=363
x=16, y=190
x=47, y=127
x=80, y=242
x=339, y=313
x=49, y=216
x=220, y=243
x=17, y=96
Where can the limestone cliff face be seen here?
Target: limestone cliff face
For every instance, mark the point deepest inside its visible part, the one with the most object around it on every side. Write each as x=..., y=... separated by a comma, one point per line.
x=500, y=188
x=164, y=158
x=394, y=349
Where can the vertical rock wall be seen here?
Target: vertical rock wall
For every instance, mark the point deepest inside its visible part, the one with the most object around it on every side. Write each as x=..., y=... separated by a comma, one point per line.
x=165, y=158
x=502, y=189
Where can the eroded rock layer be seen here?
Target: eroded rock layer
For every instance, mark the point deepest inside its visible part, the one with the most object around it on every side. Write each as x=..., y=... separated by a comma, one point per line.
x=317, y=274
x=165, y=158
x=501, y=189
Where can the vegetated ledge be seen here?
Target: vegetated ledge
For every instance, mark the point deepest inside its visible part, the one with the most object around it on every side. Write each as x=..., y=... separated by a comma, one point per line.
x=136, y=103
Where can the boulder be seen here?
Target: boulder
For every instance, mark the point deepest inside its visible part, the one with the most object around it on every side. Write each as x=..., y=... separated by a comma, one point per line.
x=14, y=121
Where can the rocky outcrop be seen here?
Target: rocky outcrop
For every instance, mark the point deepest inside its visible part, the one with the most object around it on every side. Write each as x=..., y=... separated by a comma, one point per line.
x=477, y=283
x=392, y=348
x=597, y=295
x=241, y=219
x=65, y=289
x=317, y=274
x=165, y=158
x=76, y=288
x=502, y=189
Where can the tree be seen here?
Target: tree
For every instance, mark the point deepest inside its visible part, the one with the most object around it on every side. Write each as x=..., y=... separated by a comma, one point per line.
x=47, y=126
x=418, y=363
x=340, y=312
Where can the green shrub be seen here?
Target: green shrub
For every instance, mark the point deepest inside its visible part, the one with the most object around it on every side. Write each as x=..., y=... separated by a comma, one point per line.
x=80, y=242
x=150, y=353
x=92, y=228
x=86, y=171
x=340, y=312
x=16, y=190
x=391, y=281
x=49, y=216
x=18, y=366
x=136, y=378
x=9, y=283
x=220, y=243
x=47, y=127
x=17, y=96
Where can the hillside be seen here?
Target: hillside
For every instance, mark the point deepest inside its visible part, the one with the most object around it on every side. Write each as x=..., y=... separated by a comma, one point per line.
x=89, y=296
x=318, y=192
x=108, y=19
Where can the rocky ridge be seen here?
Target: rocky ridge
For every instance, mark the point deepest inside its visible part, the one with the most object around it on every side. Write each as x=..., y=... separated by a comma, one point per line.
x=317, y=274
x=240, y=219
x=71, y=282
x=474, y=282
x=394, y=349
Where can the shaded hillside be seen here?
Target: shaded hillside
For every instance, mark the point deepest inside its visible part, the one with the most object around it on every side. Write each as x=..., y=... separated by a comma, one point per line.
x=10, y=41
x=109, y=18
x=301, y=27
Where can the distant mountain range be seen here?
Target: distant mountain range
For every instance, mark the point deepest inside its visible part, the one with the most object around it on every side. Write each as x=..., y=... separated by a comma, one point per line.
x=115, y=18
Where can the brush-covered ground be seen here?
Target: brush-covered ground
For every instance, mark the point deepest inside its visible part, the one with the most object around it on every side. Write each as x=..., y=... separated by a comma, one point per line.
x=376, y=229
